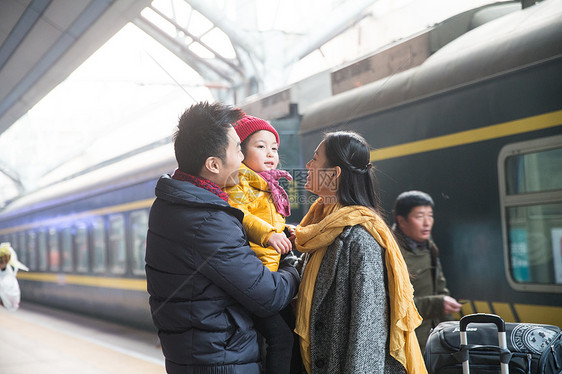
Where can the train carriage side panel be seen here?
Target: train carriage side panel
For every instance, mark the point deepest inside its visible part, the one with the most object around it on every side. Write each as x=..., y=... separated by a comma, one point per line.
x=447, y=142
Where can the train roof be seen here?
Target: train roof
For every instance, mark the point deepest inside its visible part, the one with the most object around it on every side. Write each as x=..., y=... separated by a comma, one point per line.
x=515, y=40
x=133, y=170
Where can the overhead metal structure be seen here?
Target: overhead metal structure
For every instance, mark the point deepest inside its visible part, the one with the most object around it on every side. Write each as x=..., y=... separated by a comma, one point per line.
x=258, y=62
x=43, y=41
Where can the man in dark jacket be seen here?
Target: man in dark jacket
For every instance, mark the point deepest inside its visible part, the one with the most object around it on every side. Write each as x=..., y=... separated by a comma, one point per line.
x=413, y=217
x=203, y=279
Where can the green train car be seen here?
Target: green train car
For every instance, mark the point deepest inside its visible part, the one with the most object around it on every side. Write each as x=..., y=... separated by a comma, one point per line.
x=478, y=125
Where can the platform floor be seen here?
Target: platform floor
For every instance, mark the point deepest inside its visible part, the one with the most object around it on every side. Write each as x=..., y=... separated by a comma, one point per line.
x=37, y=340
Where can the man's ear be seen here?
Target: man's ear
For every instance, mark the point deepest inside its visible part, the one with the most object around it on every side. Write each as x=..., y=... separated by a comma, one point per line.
x=212, y=164
x=400, y=221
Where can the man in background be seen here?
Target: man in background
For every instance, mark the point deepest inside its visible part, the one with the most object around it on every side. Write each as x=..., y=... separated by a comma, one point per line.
x=413, y=221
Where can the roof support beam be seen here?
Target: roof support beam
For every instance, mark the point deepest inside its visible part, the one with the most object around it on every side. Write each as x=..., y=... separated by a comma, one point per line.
x=83, y=22
x=197, y=39
x=340, y=20
x=237, y=38
x=26, y=22
x=13, y=176
x=205, y=68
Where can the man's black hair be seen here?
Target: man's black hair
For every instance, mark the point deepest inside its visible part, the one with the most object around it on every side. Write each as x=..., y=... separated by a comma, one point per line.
x=202, y=133
x=408, y=200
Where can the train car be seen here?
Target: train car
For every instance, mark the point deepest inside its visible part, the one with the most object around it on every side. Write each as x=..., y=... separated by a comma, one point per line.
x=478, y=126
x=84, y=239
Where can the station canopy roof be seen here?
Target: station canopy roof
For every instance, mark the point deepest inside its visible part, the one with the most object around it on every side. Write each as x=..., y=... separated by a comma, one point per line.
x=87, y=81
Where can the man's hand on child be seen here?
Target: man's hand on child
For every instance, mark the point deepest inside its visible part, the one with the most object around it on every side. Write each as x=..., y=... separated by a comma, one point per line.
x=280, y=243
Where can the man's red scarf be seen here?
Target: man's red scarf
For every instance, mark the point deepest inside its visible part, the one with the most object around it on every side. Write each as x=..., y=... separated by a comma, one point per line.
x=200, y=182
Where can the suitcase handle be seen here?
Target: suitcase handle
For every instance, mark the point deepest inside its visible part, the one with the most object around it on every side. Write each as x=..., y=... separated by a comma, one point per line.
x=482, y=318
x=462, y=355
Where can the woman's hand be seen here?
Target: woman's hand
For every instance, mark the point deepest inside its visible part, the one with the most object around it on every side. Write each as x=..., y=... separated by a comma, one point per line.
x=280, y=243
x=291, y=234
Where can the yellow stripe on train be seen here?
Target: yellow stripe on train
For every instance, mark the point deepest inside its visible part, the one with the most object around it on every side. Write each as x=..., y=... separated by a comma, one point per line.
x=550, y=315
x=84, y=280
x=520, y=126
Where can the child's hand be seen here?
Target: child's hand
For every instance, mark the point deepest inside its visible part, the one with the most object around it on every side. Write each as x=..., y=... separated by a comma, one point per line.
x=280, y=243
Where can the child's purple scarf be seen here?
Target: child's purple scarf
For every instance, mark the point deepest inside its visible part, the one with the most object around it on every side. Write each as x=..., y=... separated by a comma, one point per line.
x=280, y=198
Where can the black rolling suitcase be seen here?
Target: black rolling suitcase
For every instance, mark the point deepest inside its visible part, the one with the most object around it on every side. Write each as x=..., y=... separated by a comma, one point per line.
x=490, y=346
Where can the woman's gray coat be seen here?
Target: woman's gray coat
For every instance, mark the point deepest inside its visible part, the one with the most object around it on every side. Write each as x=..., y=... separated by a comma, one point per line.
x=349, y=319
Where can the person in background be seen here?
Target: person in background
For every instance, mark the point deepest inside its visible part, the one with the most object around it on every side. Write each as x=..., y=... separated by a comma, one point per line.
x=355, y=309
x=413, y=221
x=204, y=281
x=265, y=205
x=10, y=293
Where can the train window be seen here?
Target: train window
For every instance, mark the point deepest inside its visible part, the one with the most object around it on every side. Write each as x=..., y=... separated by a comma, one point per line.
x=66, y=246
x=531, y=199
x=42, y=249
x=54, y=255
x=14, y=242
x=535, y=258
x=534, y=172
x=7, y=239
x=117, y=243
x=21, y=249
x=98, y=240
x=139, y=226
x=31, y=250
x=81, y=242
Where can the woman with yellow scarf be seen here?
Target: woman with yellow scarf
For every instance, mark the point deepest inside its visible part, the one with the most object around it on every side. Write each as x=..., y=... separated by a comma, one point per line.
x=355, y=309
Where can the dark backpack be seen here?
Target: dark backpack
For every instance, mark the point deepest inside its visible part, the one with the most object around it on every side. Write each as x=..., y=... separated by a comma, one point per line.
x=533, y=349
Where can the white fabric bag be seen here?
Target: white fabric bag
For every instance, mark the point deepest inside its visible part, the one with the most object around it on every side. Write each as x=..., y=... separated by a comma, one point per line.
x=9, y=289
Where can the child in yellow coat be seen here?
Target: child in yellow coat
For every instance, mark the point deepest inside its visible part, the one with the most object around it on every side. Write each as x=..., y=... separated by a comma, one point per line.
x=265, y=205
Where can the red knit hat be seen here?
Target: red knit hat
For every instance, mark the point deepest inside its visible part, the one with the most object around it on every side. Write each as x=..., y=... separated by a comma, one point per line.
x=249, y=125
